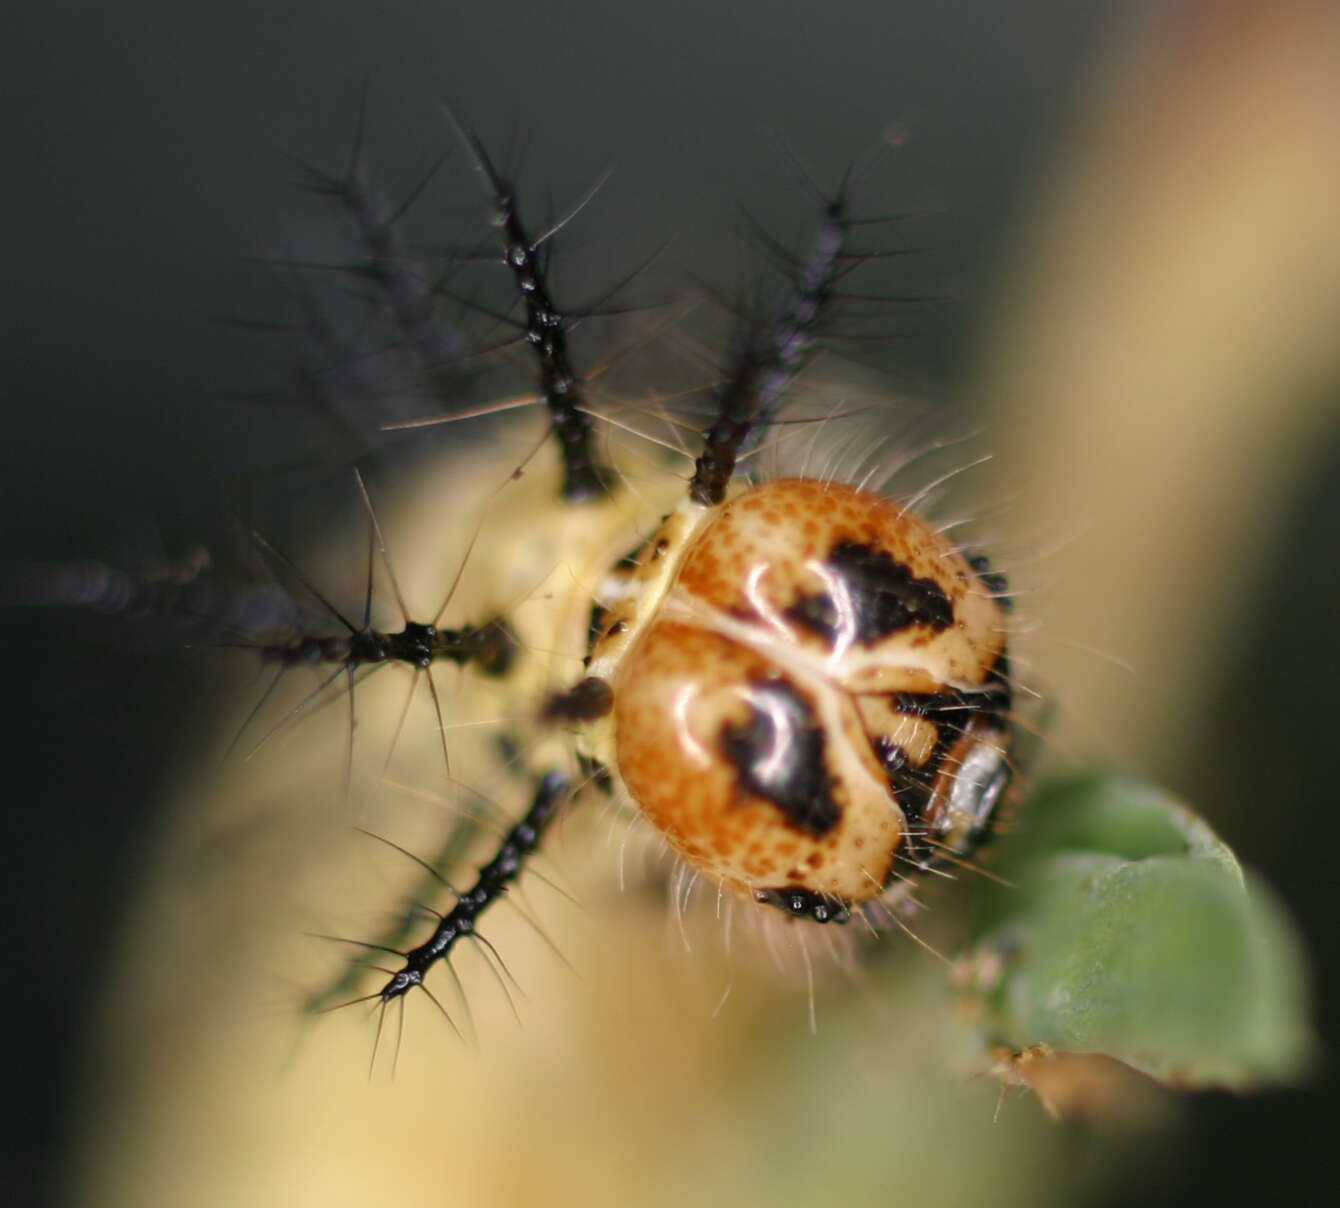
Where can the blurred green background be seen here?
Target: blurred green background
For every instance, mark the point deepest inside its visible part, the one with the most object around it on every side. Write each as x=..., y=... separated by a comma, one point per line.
x=1127, y=211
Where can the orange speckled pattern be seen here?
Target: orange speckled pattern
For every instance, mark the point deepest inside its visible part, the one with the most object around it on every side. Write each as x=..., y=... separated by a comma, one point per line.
x=830, y=600
x=684, y=685
x=769, y=545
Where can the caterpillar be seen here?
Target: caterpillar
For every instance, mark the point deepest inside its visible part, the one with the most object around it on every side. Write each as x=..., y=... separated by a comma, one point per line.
x=700, y=629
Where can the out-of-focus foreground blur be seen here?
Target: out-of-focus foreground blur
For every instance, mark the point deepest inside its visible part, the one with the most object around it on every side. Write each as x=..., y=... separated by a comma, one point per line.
x=1131, y=217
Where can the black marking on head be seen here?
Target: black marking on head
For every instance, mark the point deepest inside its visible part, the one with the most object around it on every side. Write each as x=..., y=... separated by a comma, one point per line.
x=779, y=755
x=875, y=596
x=805, y=903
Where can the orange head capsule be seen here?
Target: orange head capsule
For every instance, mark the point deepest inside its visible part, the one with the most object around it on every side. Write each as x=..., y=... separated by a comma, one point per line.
x=809, y=687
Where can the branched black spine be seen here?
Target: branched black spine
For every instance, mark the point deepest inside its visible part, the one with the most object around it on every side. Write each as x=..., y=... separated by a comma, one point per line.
x=493, y=881
x=584, y=474
x=768, y=361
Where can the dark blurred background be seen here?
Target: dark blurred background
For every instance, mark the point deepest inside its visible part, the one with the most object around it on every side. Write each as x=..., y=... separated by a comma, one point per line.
x=145, y=148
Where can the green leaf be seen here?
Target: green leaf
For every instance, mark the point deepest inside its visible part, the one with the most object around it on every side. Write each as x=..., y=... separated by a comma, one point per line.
x=1130, y=931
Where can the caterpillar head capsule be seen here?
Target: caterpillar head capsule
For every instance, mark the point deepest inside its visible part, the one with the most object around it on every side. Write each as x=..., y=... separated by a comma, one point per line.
x=809, y=686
